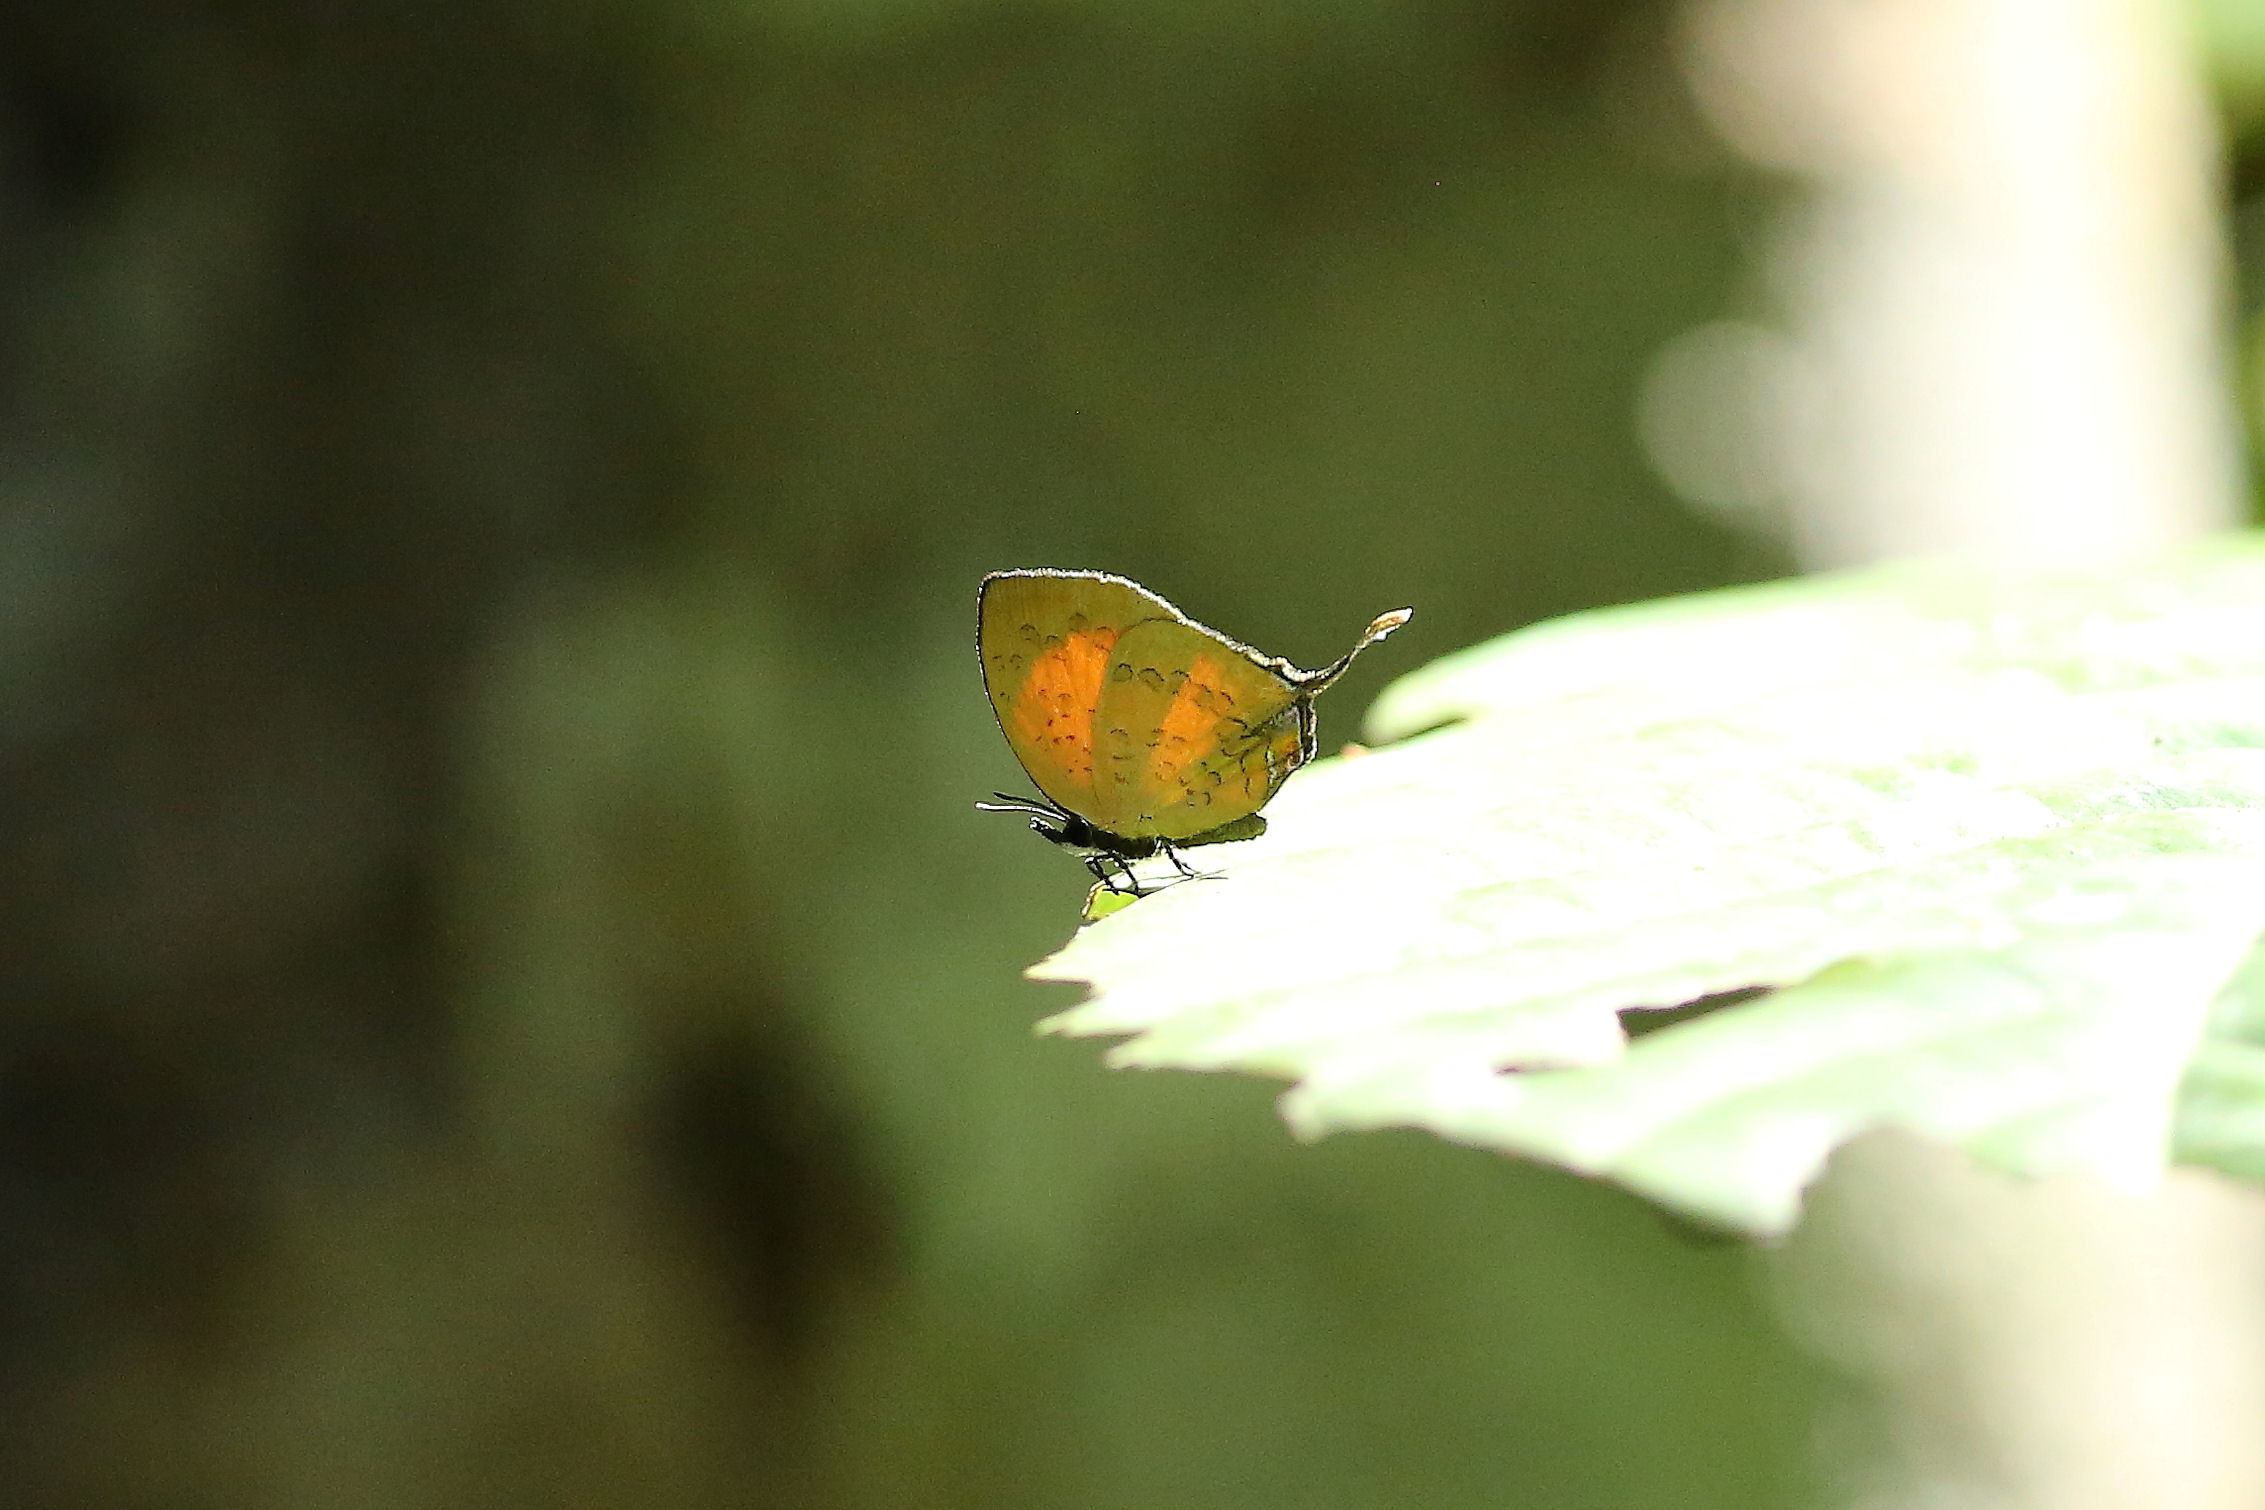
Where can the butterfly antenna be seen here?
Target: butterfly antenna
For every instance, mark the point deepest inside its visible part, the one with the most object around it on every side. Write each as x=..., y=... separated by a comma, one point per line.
x=1380, y=626
x=1011, y=804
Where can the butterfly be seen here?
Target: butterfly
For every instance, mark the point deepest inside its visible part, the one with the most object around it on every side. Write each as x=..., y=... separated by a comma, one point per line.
x=1144, y=731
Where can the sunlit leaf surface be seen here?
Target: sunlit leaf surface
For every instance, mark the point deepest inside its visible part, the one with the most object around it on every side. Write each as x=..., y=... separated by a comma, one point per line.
x=1998, y=846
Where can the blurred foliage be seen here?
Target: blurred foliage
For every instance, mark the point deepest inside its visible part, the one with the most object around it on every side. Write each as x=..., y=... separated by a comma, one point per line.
x=511, y=1004
x=2231, y=37
x=2221, y=1110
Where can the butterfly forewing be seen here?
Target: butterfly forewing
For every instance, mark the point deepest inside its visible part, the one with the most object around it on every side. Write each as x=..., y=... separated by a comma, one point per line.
x=1045, y=640
x=1192, y=732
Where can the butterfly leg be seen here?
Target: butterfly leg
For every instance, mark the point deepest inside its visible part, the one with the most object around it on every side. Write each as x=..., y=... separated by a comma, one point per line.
x=1187, y=871
x=1100, y=868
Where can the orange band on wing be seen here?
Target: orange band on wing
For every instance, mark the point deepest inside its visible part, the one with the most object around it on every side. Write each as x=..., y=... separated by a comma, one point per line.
x=1190, y=727
x=1054, y=709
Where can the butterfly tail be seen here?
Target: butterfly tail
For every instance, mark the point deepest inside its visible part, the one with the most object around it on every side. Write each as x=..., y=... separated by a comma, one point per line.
x=1383, y=624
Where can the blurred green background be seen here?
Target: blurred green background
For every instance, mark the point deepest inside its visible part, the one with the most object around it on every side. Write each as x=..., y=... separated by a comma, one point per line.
x=509, y=1001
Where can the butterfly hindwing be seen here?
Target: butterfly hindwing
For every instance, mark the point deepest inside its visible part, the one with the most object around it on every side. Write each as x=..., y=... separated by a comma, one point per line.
x=1193, y=732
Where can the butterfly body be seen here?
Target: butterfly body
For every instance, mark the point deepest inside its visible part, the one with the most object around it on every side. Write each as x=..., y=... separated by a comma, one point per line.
x=1144, y=730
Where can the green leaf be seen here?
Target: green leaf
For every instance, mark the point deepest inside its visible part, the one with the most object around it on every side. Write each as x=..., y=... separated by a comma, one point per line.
x=2221, y=1107
x=1997, y=845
